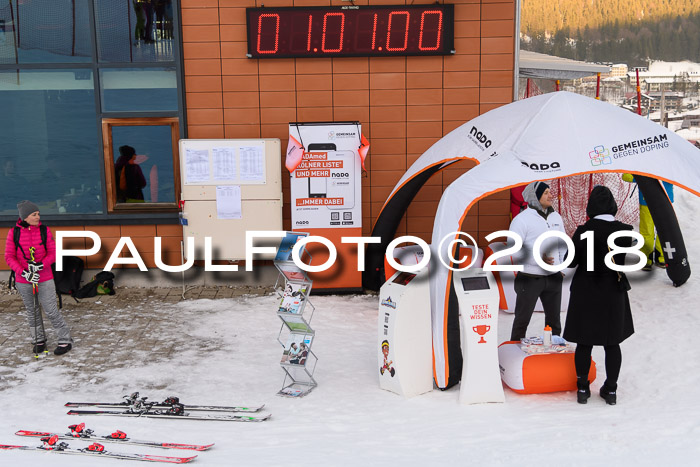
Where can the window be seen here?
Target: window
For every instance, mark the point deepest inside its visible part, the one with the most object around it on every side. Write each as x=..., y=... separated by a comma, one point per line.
x=141, y=163
x=138, y=89
x=49, y=133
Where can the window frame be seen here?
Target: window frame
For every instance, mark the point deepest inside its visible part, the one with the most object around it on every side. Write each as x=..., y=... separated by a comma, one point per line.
x=108, y=161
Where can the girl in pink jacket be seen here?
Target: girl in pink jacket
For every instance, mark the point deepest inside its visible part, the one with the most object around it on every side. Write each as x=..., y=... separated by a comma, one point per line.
x=31, y=261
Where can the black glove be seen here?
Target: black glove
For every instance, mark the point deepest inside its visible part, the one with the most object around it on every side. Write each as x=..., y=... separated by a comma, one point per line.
x=30, y=276
x=35, y=266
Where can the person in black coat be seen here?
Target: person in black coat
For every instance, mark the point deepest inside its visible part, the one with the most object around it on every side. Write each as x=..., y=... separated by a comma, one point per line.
x=599, y=309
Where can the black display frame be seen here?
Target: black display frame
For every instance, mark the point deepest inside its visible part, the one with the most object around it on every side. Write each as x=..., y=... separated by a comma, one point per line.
x=447, y=38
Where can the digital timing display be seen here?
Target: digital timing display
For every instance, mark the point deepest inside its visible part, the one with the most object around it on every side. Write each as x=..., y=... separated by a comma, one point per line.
x=350, y=31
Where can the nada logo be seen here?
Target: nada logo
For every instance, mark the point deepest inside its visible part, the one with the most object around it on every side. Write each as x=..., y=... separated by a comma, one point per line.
x=388, y=302
x=480, y=137
x=541, y=167
x=600, y=156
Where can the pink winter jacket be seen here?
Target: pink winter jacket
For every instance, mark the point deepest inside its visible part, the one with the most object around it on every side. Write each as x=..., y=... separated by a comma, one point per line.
x=30, y=237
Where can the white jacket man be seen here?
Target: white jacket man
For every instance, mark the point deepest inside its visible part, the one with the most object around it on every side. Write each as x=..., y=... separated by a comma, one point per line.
x=535, y=282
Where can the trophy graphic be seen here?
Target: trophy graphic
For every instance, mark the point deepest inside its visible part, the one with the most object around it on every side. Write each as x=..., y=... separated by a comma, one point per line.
x=481, y=330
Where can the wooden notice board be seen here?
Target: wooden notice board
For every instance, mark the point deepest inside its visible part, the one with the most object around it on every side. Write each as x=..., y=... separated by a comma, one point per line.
x=229, y=186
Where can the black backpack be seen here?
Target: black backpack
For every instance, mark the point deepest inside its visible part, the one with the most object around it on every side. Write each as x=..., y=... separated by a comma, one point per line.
x=66, y=281
x=101, y=284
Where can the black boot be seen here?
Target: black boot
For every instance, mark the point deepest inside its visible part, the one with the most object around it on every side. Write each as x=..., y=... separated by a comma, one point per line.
x=609, y=394
x=62, y=348
x=39, y=347
x=584, y=390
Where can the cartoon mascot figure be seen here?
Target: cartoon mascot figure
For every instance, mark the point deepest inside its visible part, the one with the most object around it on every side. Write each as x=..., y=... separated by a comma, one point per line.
x=387, y=363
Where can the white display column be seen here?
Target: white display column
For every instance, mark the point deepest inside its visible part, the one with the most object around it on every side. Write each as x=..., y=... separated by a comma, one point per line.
x=477, y=295
x=404, y=341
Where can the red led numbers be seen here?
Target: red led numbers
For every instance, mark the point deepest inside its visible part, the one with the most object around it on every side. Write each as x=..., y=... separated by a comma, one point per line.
x=350, y=31
x=271, y=35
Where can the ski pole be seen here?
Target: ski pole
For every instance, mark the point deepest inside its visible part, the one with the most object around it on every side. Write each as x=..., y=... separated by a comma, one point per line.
x=37, y=312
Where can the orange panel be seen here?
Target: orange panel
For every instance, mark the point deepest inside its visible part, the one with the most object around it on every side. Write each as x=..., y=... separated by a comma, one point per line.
x=242, y=131
x=422, y=64
x=314, y=66
x=461, y=96
x=497, y=45
x=200, y=16
x=233, y=49
x=239, y=116
x=239, y=83
x=419, y=113
x=205, y=131
x=278, y=99
x=496, y=79
x=496, y=95
x=202, y=83
x=315, y=114
x=494, y=206
x=386, y=177
x=283, y=66
x=200, y=33
x=466, y=46
x=384, y=130
x=349, y=114
x=238, y=66
x=203, y=100
x=184, y=4
x=467, y=29
x=169, y=230
x=350, y=98
x=387, y=64
x=232, y=15
x=277, y=115
x=233, y=32
x=466, y=62
x=387, y=146
x=425, y=129
x=463, y=112
x=350, y=65
x=350, y=81
x=469, y=12
x=200, y=50
x=248, y=3
x=498, y=28
x=204, y=116
x=143, y=245
x=276, y=130
x=206, y=67
x=422, y=208
x=314, y=98
x=314, y=82
x=390, y=113
x=387, y=97
x=494, y=223
x=138, y=230
x=449, y=125
x=387, y=80
x=497, y=11
x=424, y=80
x=424, y=96
x=461, y=79
x=243, y=99
x=104, y=231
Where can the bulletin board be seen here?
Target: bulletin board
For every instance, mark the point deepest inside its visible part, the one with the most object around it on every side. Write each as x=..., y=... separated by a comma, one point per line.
x=229, y=186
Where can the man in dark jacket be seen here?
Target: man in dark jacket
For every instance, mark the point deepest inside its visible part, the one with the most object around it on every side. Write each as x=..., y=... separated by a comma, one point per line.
x=599, y=309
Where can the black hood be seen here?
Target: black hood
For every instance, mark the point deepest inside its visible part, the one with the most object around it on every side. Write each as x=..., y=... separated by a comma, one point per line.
x=601, y=201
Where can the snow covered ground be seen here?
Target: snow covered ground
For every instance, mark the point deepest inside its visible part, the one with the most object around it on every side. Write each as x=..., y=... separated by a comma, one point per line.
x=348, y=420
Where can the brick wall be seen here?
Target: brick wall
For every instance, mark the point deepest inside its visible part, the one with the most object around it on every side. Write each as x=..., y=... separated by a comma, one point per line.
x=405, y=104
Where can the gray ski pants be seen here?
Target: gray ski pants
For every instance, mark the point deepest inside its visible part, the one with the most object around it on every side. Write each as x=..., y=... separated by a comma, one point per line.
x=47, y=298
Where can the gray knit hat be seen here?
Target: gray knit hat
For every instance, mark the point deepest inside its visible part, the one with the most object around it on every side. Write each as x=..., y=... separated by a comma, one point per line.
x=25, y=208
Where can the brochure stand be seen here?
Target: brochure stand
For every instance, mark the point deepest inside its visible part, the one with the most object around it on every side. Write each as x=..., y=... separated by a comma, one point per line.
x=296, y=336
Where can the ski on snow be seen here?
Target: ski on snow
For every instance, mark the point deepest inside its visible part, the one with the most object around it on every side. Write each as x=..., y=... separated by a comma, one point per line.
x=134, y=398
x=81, y=433
x=50, y=444
x=179, y=415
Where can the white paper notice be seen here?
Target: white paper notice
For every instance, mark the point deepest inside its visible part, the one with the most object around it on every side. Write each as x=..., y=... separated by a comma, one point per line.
x=228, y=202
x=252, y=163
x=196, y=166
x=224, y=163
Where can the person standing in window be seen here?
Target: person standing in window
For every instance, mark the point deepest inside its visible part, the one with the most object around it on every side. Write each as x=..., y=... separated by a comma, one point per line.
x=128, y=176
x=30, y=257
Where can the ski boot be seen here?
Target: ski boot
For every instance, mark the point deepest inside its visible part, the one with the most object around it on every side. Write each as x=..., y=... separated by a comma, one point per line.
x=584, y=390
x=50, y=443
x=119, y=434
x=96, y=447
x=610, y=395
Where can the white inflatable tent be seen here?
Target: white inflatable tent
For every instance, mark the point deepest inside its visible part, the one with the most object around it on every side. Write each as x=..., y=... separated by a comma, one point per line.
x=540, y=138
